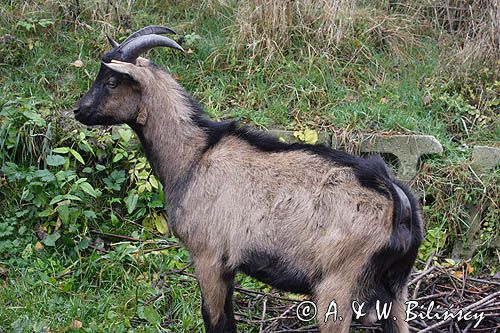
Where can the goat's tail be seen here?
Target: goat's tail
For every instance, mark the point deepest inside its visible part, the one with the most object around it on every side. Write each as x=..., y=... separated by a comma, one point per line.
x=391, y=266
x=395, y=260
x=407, y=220
x=398, y=258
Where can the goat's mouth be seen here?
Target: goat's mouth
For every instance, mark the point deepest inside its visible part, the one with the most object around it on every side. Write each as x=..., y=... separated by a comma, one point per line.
x=92, y=117
x=83, y=116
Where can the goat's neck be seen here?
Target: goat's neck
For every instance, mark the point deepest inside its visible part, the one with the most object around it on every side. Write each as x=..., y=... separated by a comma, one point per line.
x=171, y=140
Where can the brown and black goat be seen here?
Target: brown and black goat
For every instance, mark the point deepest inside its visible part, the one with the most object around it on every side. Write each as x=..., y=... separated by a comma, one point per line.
x=302, y=218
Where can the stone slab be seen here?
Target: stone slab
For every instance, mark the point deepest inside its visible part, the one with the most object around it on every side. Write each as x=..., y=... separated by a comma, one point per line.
x=407, y=148
x=484, y=158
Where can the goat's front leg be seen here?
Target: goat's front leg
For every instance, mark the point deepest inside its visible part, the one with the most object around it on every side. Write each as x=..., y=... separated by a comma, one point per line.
x=333, y=300
x=217, y=293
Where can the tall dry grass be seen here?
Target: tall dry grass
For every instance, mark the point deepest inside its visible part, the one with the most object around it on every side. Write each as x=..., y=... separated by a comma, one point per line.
x=468, y=31
x=109, y=14
x=271, y=26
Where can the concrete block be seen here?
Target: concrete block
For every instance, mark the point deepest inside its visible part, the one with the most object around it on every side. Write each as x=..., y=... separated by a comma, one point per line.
x=407, y=148
x=484, y=158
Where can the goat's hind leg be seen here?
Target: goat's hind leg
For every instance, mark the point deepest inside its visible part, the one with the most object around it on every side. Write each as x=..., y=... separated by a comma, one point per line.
x=398, y=311
x=333, y=300
x=216, y=292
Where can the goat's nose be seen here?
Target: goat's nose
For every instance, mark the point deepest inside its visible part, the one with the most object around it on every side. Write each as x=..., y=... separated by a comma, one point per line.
x=76, y=110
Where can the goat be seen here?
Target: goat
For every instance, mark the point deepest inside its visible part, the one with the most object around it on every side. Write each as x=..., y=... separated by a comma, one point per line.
x=302, y=218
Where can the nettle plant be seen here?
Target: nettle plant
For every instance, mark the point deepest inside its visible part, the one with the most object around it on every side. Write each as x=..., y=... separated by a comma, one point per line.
x=79, y=183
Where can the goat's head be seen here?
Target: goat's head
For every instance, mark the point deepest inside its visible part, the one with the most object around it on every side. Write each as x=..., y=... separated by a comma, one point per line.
x=115, y=95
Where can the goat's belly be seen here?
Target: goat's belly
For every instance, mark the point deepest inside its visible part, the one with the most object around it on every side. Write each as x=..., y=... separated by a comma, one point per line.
x=277, y=272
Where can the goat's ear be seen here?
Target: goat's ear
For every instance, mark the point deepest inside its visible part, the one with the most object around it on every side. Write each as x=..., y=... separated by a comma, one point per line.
x=142, y=62
x=137, y=73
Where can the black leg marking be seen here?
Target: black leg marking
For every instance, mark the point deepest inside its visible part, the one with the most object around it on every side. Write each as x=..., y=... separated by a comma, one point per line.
x=209, y=328
x=226, y=322
x=388, y=326
x=230, y=326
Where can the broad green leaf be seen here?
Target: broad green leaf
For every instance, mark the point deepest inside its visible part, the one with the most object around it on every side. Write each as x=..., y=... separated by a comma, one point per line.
x=114, y=219
x=117, y=157
x=143, y=175
x=125, y=134
x=56, y=160
x=61, y=150
x=153, y=182
x=81, y=180
x=56, y=199
x=149, y=314
x=50, y=240
x=46, y=213
x=111, y=315
x=67, y=287
x=450, y=261
x=161, y=224
x=149, y=224
x=22, y=230
x=157, y=203
x=63, y=211
x=87, y=188
x=90, y=214
x=83, y=244
x=70, y=197
x=131, y=202
x=140, y=166
x=45, y=175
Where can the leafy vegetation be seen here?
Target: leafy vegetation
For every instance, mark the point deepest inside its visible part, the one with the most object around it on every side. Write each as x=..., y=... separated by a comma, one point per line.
x=83, y=241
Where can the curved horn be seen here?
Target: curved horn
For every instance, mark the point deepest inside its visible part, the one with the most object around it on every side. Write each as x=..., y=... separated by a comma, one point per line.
x=112, y=41
x=135, y=47
x=149, y=30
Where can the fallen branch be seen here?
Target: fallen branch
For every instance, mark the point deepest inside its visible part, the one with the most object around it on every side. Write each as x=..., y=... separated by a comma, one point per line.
x=467, y=308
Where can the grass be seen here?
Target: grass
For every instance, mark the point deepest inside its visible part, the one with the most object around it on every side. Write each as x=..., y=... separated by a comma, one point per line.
x=104, y=292
x=360, y=84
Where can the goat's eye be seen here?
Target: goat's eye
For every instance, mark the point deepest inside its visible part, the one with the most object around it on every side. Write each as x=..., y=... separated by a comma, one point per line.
x=111, y=84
